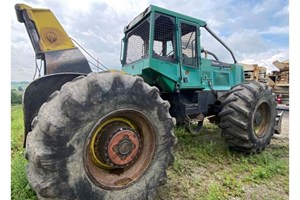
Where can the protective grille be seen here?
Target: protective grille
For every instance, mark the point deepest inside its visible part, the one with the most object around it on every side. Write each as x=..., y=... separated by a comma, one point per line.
x=188, y=43
x=164, y=37
x=138, y=42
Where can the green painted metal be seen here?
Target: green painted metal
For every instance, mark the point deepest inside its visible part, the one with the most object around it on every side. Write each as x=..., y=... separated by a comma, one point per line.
x=171, y=76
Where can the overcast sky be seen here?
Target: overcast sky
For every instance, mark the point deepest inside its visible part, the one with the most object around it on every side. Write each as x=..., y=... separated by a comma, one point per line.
x=256, y=30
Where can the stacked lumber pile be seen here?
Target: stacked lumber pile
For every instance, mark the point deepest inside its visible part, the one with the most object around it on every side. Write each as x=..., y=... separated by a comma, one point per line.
x=253, y=72
x=279, y=80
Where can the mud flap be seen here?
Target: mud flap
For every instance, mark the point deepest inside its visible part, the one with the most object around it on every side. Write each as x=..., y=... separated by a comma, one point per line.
x=277, y=128
x=37, y=93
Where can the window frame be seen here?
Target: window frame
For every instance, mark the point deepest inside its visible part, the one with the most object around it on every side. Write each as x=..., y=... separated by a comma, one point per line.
x=197, y=43
x=174, y=39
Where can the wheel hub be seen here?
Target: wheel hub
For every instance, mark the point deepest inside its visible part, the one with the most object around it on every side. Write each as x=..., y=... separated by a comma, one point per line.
x=116, y=155
x=123, y=147
x=258, y=118
x=116, y=146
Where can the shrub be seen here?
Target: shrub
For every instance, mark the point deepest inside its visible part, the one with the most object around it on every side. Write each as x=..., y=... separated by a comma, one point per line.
x=16, y=98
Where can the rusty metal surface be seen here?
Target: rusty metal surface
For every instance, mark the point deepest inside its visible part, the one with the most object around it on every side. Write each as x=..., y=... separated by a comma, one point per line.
x=123, y=147
x=117, y=178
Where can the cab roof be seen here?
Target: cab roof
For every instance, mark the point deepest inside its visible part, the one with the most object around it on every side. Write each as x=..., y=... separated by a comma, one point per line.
x=153, y=8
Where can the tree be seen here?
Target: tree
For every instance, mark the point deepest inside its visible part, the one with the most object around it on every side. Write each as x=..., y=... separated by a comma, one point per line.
x=16, y=98
x=20, y=89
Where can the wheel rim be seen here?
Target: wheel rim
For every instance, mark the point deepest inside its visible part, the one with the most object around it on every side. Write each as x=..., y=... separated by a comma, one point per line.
x=116, y=155
x=261, y=119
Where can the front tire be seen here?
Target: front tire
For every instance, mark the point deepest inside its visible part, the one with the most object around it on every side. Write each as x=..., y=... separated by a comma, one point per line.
x=104, y=136
x=248, y=117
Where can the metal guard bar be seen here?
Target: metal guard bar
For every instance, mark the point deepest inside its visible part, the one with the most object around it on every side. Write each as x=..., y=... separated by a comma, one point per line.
x=219, y=39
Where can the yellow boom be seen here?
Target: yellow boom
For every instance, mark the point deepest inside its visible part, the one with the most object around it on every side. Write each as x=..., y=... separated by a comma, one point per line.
x=50, y=41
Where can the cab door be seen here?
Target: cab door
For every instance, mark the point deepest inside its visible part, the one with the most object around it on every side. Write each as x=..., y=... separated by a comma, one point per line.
x=188, y=51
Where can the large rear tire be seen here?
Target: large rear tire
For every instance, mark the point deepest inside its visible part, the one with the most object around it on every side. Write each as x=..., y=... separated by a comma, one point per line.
x=103, y=136
x=248, y=117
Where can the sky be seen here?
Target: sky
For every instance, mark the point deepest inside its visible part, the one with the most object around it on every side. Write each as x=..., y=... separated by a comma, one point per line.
x=257, y=31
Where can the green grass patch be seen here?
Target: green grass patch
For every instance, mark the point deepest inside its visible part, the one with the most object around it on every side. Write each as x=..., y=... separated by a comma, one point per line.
x=204, y=167
x=20, y=188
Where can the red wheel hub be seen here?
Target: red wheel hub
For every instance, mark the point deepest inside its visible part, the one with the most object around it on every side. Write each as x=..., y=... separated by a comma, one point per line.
x=123, y=147
x=116, y=155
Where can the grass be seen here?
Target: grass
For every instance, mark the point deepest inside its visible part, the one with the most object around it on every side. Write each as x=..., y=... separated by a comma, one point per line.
x=204, y=168
x=20, y=189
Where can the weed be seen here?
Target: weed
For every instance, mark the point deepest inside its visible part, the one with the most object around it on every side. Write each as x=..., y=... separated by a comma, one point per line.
x=215, y=192
x=20, y=188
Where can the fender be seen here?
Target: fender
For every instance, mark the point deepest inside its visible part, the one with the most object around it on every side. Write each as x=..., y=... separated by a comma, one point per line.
x=37, y=93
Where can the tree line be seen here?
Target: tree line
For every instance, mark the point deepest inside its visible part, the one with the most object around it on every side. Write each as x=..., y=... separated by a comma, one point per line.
x=16, y=96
